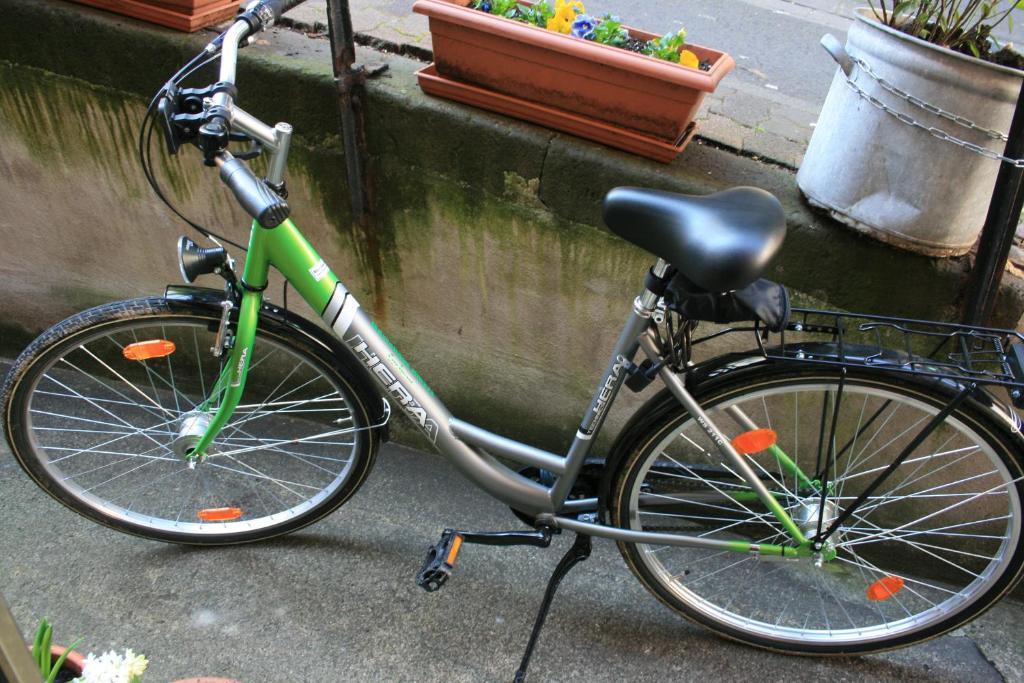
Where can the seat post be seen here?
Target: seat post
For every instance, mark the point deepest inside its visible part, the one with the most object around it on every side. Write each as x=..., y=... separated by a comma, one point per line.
x=654, y=287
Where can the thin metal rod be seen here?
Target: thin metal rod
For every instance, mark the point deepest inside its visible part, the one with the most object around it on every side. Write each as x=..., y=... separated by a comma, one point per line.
x=917, y=441
x=729, y=454
x=343, y=57
x=1000, y=226
x=830, y=458
x=661, y=538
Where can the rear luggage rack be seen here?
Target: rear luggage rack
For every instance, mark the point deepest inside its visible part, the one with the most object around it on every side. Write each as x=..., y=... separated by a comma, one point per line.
x=981, y=355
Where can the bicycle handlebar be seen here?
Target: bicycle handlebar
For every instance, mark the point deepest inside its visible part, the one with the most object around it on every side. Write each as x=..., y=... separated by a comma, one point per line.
x=279, y=7
x=253, y=194
x=257, y=16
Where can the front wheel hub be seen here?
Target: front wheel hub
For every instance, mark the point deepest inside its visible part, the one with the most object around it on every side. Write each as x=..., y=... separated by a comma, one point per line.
x=191, y=428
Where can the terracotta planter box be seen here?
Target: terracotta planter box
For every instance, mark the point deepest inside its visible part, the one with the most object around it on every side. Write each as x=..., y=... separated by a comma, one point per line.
x=183, y=15
x=649, y=96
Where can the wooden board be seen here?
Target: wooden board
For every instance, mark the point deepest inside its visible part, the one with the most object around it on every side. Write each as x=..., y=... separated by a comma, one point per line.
x=177, y=17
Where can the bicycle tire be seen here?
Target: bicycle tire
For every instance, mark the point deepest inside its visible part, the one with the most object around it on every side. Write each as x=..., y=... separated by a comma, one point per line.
x=794, y=606
x=73, y=405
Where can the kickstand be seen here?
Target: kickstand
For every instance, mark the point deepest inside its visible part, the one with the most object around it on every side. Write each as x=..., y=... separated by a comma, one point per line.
x=579, y=551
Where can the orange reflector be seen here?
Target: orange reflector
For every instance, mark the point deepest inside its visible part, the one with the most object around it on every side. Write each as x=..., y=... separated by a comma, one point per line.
x=454, y=552
x=885, y=588
x=151, y=348
x=219, y=514
x=754, y=441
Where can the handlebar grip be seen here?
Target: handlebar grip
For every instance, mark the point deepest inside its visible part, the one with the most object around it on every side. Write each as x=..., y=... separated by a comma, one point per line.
x=253, y=194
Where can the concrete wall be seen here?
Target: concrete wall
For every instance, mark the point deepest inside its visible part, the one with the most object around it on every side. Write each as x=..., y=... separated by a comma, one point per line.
x=486, y=261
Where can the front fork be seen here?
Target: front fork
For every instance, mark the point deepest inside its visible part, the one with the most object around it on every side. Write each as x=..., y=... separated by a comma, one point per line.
x=296, y=259
x=227, y=392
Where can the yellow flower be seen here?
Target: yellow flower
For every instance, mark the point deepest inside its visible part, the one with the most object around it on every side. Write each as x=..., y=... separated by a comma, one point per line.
x=565, y=14
x=688, y=58
x=559, y=25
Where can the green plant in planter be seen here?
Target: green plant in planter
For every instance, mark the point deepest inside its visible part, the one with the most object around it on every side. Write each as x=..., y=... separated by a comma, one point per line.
x=41, y=652
x=509, y=8
x=538, y=14
x=609, y=31
x=961, y=26
x=570, y=17
x=668, y=46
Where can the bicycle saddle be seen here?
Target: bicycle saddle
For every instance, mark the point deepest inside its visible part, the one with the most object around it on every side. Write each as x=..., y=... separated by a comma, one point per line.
x=719, y=242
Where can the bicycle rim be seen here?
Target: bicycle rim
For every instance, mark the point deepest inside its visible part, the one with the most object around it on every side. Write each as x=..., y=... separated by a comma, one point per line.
x=923, y=553
x=110, y=433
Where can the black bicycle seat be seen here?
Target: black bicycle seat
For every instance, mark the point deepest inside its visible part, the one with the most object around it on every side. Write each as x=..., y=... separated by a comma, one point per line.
x=719, y=242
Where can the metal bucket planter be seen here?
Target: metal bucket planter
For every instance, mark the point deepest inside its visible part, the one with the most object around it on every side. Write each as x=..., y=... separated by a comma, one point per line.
x=891, y=179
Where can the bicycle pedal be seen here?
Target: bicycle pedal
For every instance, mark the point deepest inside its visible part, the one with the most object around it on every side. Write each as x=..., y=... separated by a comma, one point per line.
x=440, y=560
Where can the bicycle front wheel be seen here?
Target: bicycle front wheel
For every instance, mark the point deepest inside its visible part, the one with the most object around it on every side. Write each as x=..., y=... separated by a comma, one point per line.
x=933, y=546
x=107, y=434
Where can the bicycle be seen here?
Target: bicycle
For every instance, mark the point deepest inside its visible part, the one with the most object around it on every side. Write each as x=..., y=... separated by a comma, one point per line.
x=852, y=490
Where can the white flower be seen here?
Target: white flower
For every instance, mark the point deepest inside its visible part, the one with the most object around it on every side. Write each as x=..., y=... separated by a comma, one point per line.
x=111, y=667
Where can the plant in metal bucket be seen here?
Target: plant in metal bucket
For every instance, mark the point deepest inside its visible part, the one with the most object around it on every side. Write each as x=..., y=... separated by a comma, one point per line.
x=962, y=26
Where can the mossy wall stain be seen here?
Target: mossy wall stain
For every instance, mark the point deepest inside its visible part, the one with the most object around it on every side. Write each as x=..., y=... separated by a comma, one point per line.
x=508, y=311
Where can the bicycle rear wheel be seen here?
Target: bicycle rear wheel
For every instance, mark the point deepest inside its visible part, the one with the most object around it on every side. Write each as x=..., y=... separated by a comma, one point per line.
x=933, y=547
x=106, y=435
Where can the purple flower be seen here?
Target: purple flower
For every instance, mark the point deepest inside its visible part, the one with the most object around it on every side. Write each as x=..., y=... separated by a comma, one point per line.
x=485, y=6
x=583, y=27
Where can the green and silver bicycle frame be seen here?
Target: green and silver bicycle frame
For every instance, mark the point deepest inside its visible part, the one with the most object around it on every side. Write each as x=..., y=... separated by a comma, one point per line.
x=470, y=448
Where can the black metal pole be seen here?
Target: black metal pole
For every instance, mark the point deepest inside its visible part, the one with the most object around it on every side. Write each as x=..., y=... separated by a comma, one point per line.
x=349, y=79
x=1000, y=227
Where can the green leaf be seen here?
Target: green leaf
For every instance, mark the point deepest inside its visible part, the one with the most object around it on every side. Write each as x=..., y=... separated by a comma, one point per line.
x=60, y=661
x=37, y=644
x=902, y=7
x=44, y=651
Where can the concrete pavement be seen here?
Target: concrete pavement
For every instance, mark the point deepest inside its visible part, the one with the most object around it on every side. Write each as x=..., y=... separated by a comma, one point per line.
x=337, y=601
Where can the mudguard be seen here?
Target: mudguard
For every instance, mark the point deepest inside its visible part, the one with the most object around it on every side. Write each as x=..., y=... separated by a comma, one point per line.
x=701, y=377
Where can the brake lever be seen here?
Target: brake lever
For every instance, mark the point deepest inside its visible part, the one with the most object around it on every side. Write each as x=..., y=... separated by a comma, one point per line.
x=255, y=149
x=166, y=112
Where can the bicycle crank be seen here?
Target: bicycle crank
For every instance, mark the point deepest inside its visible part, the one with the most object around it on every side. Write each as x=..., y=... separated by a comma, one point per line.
x=440, y=560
